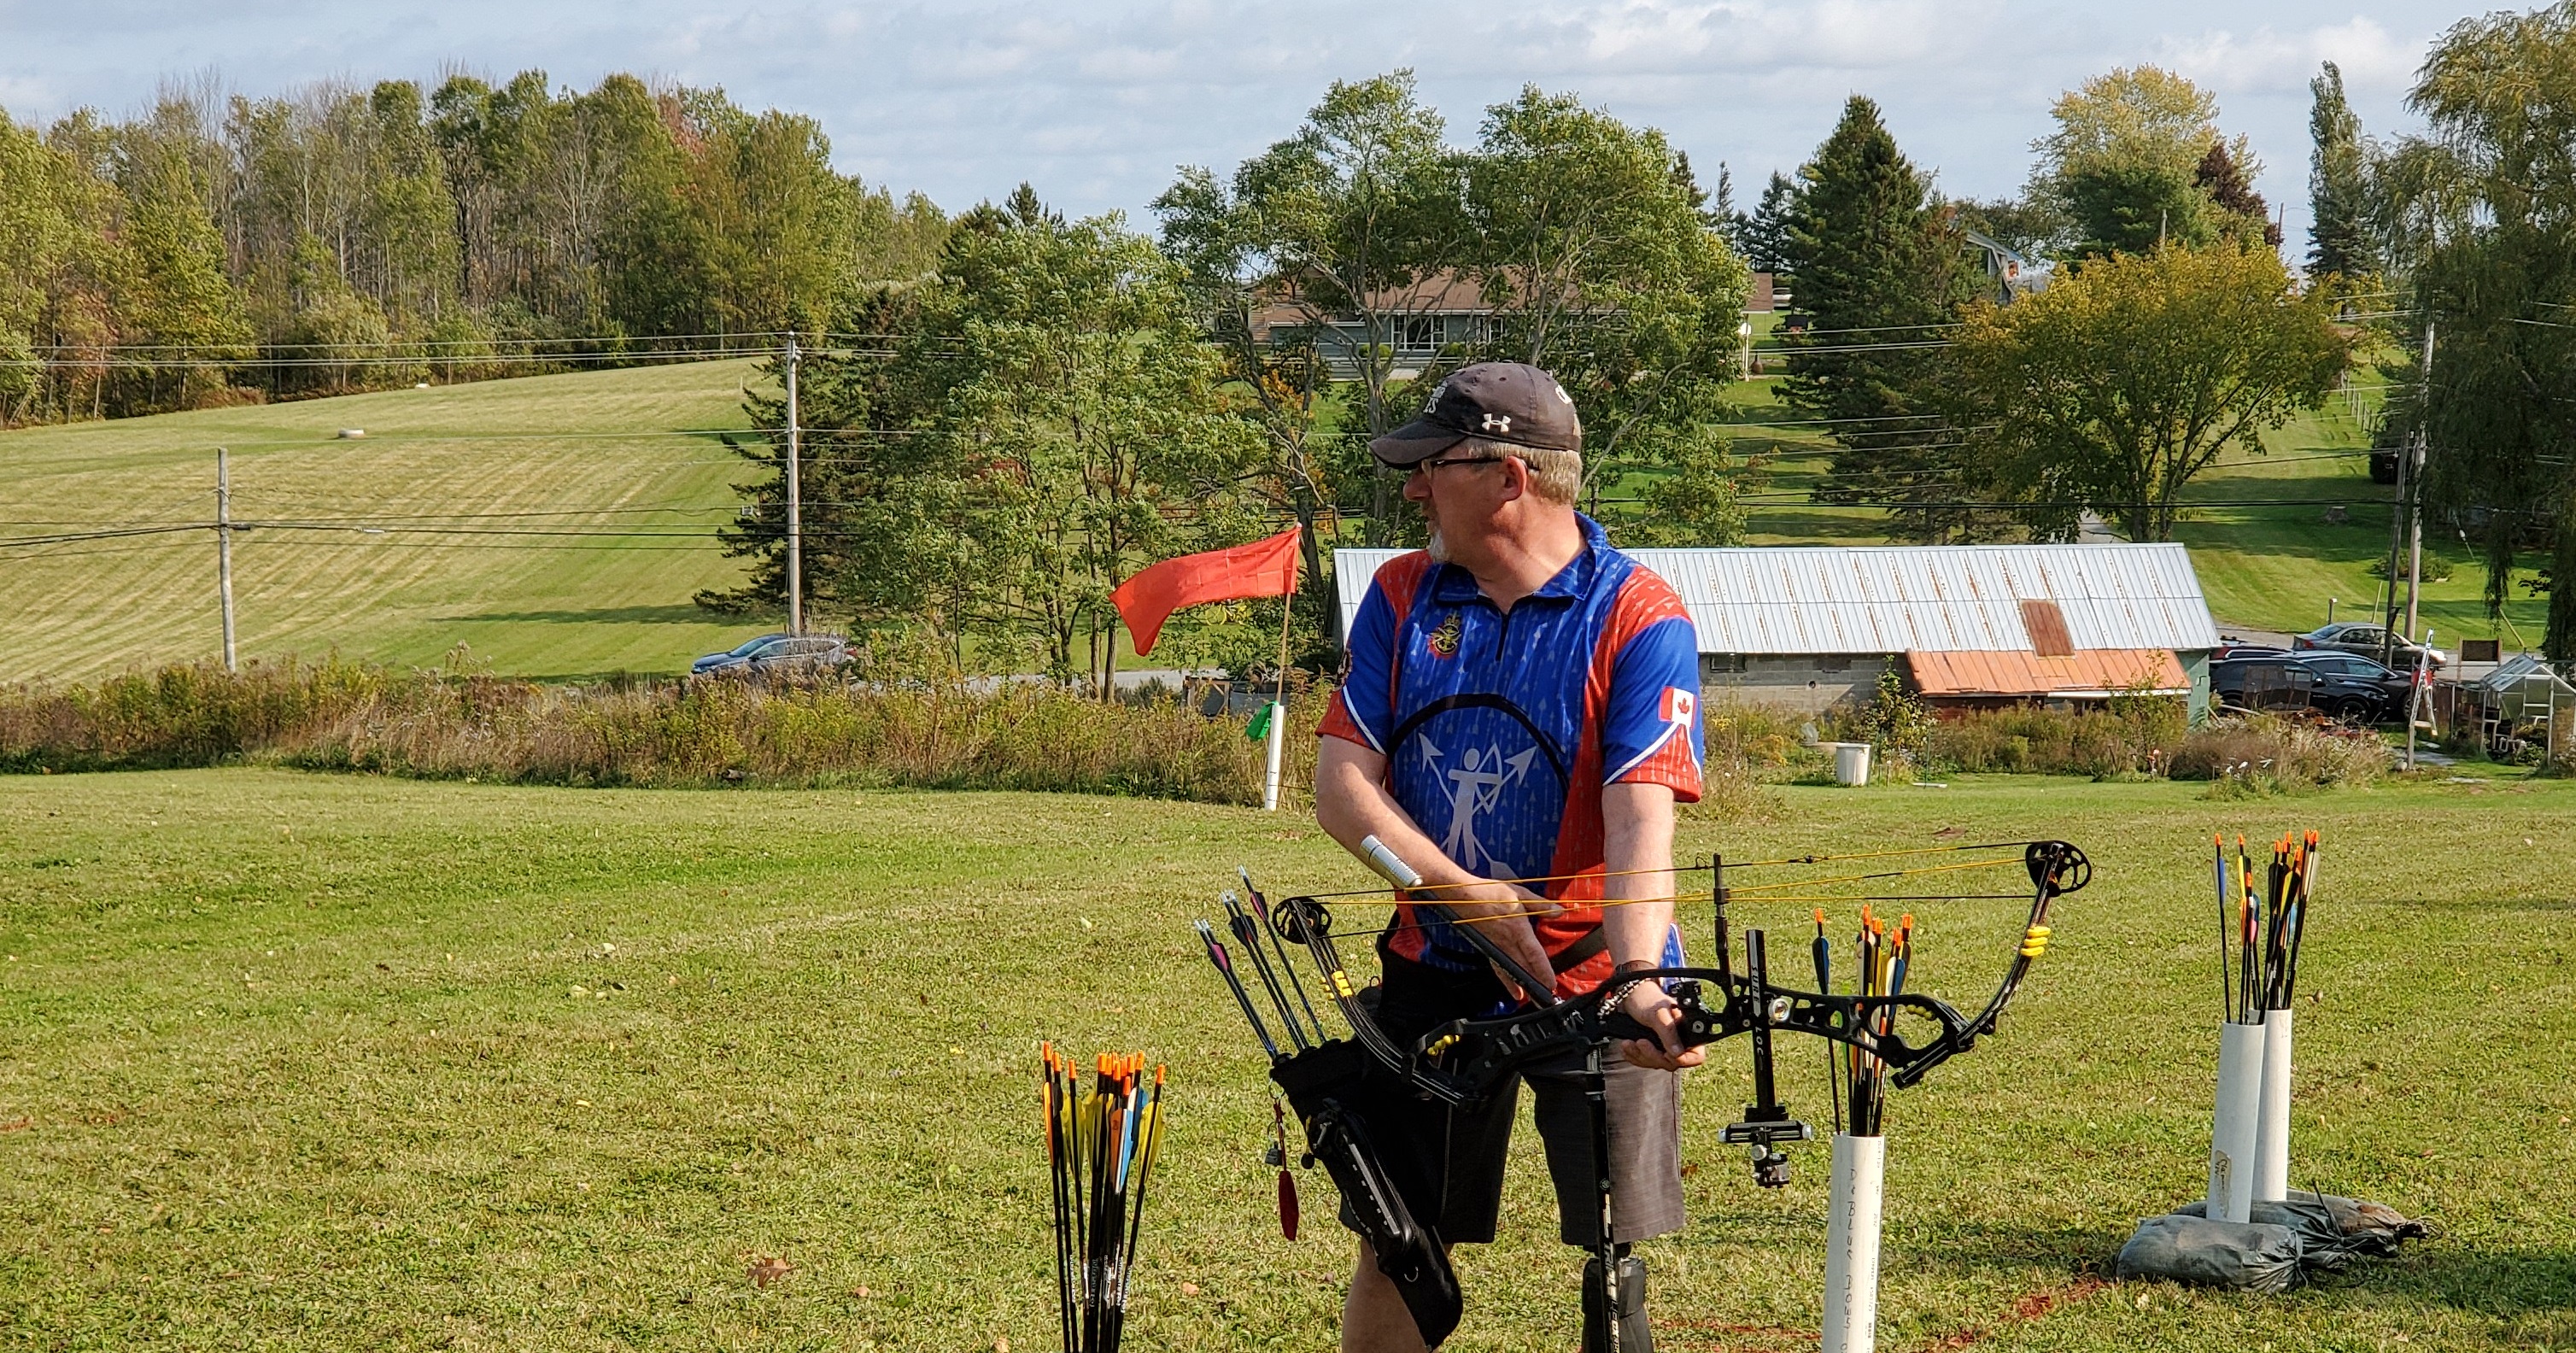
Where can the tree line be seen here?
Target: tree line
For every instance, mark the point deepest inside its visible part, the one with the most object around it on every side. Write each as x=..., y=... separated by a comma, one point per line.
x=219, y=249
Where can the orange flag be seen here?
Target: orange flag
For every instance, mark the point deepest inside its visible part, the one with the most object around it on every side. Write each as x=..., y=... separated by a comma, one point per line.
x=1264, y=568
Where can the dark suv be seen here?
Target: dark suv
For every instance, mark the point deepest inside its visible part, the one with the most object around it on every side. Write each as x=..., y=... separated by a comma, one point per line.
x=2346, y=685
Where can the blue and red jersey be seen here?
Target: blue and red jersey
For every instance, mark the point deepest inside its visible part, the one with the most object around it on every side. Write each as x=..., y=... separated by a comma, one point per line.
x=1501, y=728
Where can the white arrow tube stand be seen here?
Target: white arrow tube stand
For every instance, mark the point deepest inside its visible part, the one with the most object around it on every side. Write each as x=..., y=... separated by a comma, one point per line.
x=2272, y=1127
x=1851, y=1243
x=1270, y=778
x=2231, y=1134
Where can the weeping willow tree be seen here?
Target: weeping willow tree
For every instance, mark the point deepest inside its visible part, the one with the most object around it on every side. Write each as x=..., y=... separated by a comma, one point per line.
x=2484, y=206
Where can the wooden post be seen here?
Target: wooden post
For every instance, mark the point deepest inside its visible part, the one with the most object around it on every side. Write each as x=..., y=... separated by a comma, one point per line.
x=795, y=507
x=224, y=549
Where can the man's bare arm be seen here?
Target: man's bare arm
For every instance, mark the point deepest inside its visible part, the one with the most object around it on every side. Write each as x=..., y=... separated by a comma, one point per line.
x=1351, y=802
x=1637, y=853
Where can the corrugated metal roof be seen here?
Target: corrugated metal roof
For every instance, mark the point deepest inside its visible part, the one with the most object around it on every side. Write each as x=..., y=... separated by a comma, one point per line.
x=1908, y=598
x=2089, y=671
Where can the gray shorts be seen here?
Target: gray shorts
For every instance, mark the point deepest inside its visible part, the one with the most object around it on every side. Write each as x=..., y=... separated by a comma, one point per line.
x=1645, y=1155
x=1449, y=1163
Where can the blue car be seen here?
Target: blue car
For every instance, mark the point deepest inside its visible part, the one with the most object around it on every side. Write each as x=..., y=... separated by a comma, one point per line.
x=732, y=657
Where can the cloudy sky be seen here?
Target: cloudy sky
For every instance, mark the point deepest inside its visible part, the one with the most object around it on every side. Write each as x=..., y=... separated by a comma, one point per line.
x=1095, y=101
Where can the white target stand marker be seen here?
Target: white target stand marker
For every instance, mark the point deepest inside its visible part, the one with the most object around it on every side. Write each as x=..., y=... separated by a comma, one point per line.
x=1853, y=1210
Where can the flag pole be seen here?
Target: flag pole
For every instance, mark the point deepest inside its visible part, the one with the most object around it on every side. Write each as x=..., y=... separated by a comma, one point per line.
x=1279, y=701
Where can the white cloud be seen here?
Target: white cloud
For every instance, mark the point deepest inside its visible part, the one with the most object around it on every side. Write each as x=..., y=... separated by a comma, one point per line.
x=2269, y=62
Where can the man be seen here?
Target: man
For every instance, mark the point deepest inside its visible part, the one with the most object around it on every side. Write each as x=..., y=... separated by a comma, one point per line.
x=1521, y=703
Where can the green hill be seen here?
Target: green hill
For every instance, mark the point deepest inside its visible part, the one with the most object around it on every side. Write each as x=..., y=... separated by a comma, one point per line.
x=558, y=526
x=487, y=503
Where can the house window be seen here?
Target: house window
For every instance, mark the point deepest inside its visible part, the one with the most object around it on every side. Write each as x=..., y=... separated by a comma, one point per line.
x=1720, y=664
x=1425, y=334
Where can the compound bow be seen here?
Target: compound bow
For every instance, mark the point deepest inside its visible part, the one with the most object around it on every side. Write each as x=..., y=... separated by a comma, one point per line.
x=1463, y=1061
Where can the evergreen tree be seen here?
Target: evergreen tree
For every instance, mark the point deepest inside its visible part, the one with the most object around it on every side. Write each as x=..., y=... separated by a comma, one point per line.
x=2246, y=216
x=2339, y=242
x=1879, y=269
x=1766, y=232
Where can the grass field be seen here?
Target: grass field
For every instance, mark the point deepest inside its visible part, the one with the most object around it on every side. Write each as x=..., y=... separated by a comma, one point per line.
x=330, y=1062
x=463, y=484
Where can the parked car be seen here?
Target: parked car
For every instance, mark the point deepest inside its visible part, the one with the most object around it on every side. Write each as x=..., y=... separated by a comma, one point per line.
x=2363, y=637
x=732, y=657
x=2230, y=648
x=775, y=655
x=2346, y=685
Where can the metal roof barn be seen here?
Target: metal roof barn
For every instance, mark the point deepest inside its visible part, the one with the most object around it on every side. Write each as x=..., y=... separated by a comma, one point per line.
x=1783, y=600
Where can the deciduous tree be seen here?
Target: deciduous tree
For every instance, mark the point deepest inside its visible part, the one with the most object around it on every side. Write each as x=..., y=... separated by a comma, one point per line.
x=2483, y=210
x=2117, y=385
x=1600, y=264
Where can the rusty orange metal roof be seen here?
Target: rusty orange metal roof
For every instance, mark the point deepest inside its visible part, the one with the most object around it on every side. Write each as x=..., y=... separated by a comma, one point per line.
x=2094, y=672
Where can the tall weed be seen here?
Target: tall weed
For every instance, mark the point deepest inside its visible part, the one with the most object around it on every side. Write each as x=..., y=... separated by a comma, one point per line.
x=2266, y=754
x=455, y=724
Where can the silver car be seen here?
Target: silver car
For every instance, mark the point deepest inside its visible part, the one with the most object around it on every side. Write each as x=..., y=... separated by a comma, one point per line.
x=2365, y=638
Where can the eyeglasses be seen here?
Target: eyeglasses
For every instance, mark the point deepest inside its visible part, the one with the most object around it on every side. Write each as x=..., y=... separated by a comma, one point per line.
x=1426, y=466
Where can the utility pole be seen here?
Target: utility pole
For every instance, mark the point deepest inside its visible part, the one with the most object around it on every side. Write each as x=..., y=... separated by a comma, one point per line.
x=224, y=548
x=2409, y=488
x=795, y=507
x=2415, y=506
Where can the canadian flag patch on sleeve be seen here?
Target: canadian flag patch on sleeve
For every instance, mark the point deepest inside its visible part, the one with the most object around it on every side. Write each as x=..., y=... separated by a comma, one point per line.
x=1679, y=705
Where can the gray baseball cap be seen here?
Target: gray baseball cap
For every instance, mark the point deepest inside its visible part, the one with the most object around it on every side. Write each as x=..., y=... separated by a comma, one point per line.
x=1509, y=402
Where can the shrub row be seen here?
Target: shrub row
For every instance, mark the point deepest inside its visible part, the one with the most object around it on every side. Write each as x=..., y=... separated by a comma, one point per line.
x=344, y=716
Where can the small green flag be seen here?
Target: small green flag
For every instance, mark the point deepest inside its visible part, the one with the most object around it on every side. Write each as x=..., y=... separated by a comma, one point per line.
x=1259, y=728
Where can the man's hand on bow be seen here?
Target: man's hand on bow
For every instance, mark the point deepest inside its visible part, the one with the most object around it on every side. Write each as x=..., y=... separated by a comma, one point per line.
x=1502, y=912
x=1648, y=1004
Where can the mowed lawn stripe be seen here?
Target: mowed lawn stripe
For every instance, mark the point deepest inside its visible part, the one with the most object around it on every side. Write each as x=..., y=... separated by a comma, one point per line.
x=816, y=1040
x=532, y=604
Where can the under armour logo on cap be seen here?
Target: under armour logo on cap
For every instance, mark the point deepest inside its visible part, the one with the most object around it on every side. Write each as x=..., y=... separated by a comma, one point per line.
x=1507, y=402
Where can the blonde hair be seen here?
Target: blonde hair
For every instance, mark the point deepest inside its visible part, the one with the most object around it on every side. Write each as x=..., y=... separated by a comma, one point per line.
x=1555, y=476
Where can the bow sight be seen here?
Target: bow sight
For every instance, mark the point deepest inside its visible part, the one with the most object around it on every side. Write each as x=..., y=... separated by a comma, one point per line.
x=1463, y=1061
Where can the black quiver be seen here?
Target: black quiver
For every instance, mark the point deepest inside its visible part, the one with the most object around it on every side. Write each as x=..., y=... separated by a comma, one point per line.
x=1319, y=1083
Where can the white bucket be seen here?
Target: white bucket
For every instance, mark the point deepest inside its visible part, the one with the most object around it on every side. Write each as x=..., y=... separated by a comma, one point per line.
x=1851, y=763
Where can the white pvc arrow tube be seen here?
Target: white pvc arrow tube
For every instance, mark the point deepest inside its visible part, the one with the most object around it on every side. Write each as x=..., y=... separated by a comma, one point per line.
x=1851, y=1243
x=2272, y=1126
x=1270, y=778
x=2232, y=1126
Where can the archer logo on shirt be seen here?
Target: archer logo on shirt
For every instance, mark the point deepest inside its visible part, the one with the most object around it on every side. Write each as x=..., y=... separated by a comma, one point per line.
x=1444, y=640
x=1679, y=705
